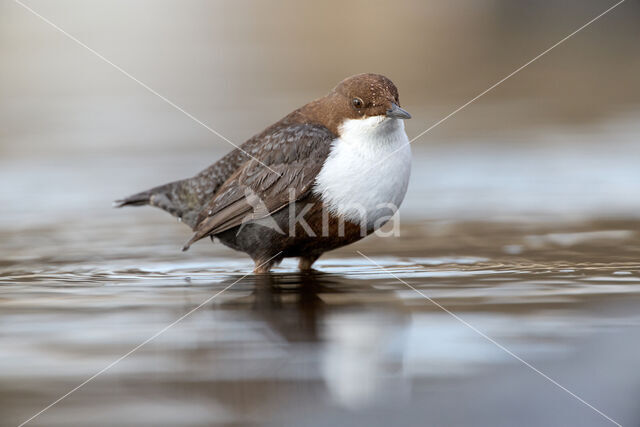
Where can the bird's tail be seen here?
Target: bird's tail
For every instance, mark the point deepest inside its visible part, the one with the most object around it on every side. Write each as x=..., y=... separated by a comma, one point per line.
x=139, y=199
x=183, y=199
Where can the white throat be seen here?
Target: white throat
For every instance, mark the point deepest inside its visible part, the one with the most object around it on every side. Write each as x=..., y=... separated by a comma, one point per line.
x=361, y=180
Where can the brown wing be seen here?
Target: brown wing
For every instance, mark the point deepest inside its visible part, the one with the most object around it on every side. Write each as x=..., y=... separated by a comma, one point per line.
x=296, y=153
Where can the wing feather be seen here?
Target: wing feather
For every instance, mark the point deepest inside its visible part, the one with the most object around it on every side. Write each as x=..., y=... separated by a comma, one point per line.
x=295, y=152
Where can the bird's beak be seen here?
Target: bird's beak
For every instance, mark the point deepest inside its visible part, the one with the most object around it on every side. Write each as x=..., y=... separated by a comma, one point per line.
x=396, y=112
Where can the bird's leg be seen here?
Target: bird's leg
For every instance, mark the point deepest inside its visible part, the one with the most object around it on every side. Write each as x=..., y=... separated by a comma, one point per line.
x=305, y=263
x=262, y=267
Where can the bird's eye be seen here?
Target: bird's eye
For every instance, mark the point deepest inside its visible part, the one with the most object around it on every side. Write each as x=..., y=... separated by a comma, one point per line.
x=357, y=102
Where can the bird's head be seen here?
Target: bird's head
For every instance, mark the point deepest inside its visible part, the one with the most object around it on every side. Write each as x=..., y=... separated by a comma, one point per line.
x=364, y=106
x=369, y=95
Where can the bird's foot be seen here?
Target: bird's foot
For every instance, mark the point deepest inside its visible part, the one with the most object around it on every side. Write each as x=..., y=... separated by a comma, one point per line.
x=262, y=267
x=305, y=263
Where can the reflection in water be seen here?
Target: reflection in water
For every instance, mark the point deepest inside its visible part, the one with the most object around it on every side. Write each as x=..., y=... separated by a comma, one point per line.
x=350, y=343
x=362, y=351
x=285, y=347
x=363, y=358
x=291, y=304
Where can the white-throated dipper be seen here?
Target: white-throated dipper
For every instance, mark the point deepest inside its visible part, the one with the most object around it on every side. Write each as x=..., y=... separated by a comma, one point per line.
x=314, y=181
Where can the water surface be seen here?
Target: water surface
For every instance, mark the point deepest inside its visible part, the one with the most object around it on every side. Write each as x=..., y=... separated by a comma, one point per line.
x=348, y=345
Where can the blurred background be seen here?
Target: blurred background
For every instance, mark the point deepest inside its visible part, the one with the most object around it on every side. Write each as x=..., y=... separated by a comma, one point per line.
x=522, y=213
x=559, y=137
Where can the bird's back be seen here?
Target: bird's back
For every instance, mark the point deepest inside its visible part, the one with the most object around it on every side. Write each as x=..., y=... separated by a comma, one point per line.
x=186, y=198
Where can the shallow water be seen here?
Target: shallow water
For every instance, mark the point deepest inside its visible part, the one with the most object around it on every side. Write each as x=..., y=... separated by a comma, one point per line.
x=349, y=345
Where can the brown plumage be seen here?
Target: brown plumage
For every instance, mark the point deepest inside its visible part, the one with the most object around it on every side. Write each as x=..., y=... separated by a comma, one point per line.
x=271, y=178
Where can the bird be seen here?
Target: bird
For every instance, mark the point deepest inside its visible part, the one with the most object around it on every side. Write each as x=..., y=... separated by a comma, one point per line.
x=326, y=175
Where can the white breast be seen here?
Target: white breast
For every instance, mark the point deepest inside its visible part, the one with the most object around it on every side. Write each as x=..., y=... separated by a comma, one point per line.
x=358, y=181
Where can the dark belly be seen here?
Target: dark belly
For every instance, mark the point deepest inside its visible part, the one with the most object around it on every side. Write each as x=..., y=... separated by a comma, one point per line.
x=305, y=230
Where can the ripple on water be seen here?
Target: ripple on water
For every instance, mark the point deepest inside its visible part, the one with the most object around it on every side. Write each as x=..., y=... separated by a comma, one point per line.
x=64, y=316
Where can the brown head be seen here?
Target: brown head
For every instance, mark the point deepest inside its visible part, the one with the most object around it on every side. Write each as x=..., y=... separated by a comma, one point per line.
x=356, y=97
